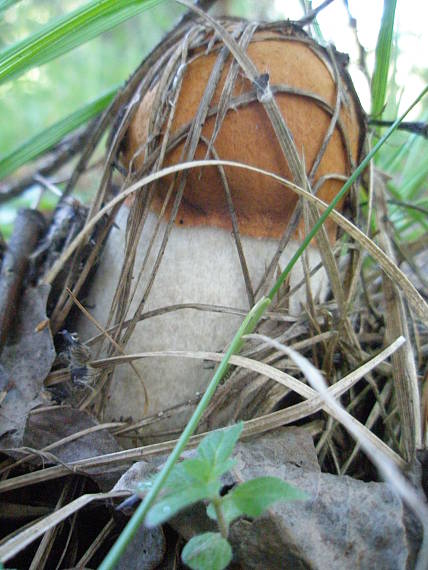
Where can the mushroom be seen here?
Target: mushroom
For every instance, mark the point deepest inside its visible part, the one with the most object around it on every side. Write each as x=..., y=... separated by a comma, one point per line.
x=201, y=271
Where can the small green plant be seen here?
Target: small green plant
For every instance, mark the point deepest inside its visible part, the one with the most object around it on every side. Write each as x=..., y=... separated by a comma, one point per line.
x=199, y=479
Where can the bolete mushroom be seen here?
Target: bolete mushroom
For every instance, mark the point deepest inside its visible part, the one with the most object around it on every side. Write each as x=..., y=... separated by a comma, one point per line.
x=201, y=265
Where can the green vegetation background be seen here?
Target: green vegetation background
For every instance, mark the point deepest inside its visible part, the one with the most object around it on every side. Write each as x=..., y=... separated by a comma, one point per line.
x=46, y=94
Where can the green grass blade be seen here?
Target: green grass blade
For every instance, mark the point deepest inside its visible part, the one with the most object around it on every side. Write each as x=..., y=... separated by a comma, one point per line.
x=66, y=33
x=416, y=155
x=391, y=161
x=382, y=61
x=5, y=4
x=46, y=139
x=414, y=184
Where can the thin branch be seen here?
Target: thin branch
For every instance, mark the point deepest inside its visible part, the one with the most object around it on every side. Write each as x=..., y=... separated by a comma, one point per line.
x=310, y=17
x=415, y=127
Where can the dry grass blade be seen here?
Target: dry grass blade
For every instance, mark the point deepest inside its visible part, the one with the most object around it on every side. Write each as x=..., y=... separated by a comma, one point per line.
x=313, y=404
x=45, y=546
x=139, y=213
x=235, y=227
x=96, y=544
x=113, y=342
x=371, y=420
x=254, y=426
x=35, y=531
x=65, y=302
x=269, y=315
x=304, y=409
x=404, y=369
x=136, y=217
x=308, y=392
x=264, y=95
x=60, y=442
x=417, y=303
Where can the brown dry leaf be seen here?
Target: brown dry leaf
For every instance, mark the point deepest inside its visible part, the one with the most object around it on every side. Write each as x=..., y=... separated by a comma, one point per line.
x=49, y=426
x=26, y=362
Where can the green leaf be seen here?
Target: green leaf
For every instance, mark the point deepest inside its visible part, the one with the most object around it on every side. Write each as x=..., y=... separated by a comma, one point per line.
x=383, y=56
x=200, y=471
x=197, y=469
x=217, y=447
x=187, y=473
x=253, y=497
x=66, y=33
x=48, y=138
x=174, y=502
x=208, y=551
x=191, y=473
x=222, y=467
x=230, y=510
x=197, y=478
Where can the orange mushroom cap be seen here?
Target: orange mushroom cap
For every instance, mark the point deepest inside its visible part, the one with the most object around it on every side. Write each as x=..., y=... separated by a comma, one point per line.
x=263, y=207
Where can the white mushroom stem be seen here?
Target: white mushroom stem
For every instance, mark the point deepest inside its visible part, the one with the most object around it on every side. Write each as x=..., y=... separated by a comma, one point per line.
x=200, y=265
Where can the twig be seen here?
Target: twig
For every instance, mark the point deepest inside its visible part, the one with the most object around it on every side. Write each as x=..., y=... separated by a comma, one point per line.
x=310, y=17
x=28, y=226
x=408, y=205
x=415, y=127
x=362, y=53
x=64, y=152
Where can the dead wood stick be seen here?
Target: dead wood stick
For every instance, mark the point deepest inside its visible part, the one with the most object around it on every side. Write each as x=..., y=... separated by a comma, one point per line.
x=26, y=232
x=48, y=162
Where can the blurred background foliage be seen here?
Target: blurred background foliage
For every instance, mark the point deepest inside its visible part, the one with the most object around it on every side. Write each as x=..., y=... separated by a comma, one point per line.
x=46, y=94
